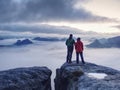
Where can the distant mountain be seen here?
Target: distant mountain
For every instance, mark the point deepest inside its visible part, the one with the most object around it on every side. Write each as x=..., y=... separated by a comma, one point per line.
x=23, y=42
x=106, y=43
x=19, y=43
x=27, y=41
x=47, y=39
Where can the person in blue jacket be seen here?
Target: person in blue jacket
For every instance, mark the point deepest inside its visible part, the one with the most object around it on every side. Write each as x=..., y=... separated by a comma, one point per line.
x=70, y=46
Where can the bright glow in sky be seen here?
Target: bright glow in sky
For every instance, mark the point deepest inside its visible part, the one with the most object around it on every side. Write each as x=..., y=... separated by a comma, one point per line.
x=105, y=8
x=98, y=27
x=108, y=8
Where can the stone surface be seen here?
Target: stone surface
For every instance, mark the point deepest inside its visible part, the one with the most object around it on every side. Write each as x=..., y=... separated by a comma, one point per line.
x=32, y=78
x=75, y=77
x=67, y=76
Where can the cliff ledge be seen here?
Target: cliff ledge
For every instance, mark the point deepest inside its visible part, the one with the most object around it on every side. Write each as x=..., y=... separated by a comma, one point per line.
x=86, y=77
x=32, y=78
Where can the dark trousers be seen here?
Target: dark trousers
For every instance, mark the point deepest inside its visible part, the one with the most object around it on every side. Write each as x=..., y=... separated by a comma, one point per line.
x=77, y=57
x=69, y=53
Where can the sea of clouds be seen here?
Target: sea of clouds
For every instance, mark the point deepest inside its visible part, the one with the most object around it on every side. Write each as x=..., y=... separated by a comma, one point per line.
x=49, y=53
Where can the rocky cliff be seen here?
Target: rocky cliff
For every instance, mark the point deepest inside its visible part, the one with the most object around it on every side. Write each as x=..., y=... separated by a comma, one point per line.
x=33, y=78
x=86, y=77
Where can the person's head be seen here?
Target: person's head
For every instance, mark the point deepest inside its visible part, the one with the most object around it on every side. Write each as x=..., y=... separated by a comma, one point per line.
x=71, y=36
x=78, y=39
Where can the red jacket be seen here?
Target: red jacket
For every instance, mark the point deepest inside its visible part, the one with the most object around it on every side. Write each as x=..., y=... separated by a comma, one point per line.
x=79, y=46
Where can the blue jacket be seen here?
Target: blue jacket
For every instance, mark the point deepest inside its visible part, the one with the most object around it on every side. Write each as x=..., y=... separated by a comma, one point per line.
x=70, y=42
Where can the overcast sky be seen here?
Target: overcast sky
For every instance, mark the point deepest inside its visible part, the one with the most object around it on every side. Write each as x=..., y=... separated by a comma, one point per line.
x=89, y=15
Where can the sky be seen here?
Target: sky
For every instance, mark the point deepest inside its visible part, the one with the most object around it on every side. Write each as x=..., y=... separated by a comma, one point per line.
x=101, y=16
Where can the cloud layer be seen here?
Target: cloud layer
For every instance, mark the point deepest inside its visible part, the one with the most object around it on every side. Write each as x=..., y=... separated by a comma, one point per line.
x=118, y=26
x=45, y=10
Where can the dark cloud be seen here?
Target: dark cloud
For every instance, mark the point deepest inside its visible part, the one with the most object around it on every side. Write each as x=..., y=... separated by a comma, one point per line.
x=9, y=11
x=118, y=26
x=45, y=10
x=39, y=29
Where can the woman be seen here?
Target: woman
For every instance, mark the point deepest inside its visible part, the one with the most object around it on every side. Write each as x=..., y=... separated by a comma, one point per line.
x=79, y=50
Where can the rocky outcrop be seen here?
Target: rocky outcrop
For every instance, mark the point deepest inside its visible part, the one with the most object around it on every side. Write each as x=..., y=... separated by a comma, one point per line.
x=23, y=42
x=33, y=78
x=86, y=77
x=67, y=76
x=19, y=43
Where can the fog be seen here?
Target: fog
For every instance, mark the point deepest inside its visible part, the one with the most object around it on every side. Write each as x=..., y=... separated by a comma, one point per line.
x=53, y=55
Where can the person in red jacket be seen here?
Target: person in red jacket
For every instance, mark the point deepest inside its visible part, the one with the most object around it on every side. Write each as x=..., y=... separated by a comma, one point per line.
x=79, y=50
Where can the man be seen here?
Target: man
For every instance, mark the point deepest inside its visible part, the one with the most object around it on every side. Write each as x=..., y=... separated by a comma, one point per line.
x=70, y=46
x=79, y=50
